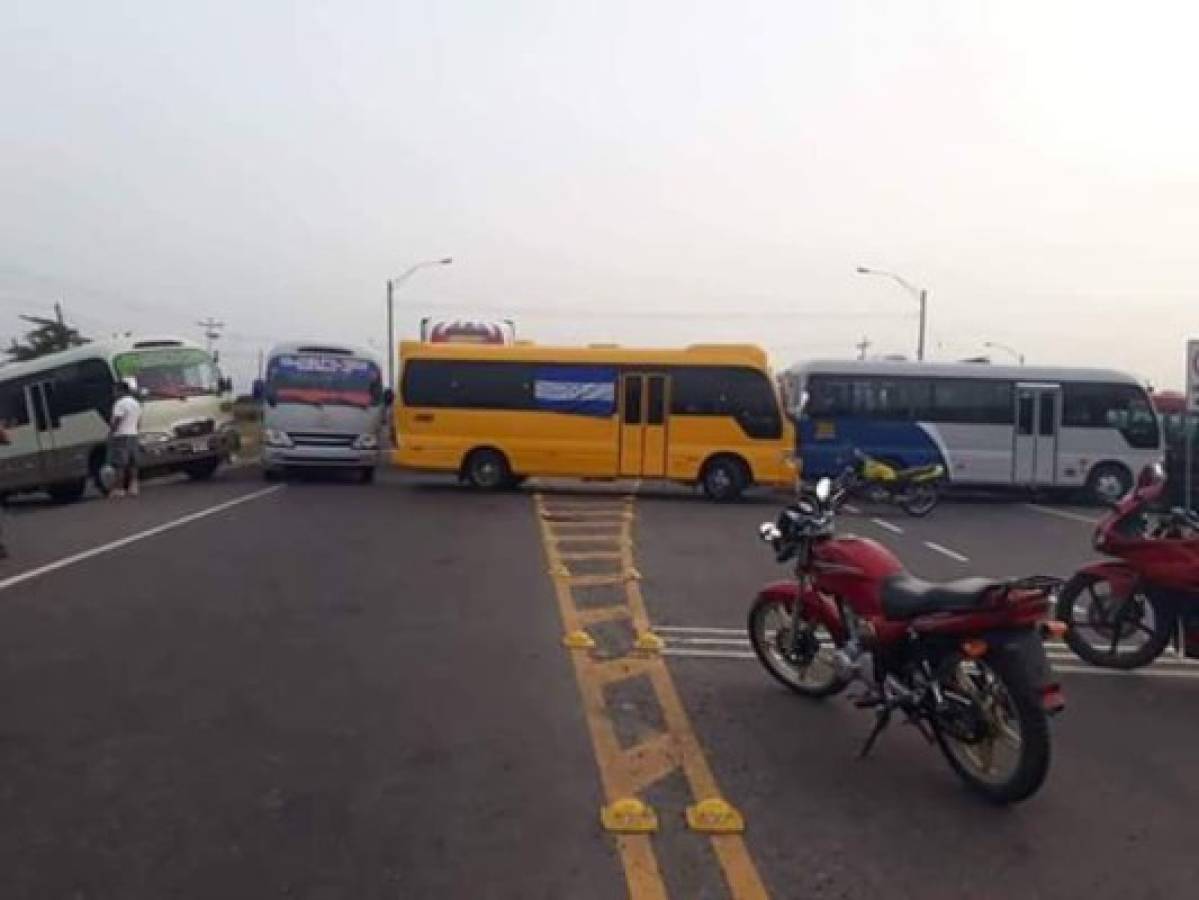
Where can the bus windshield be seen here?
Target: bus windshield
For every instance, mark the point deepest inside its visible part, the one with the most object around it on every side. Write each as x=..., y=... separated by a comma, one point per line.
x=170, y=373
x=321, y=380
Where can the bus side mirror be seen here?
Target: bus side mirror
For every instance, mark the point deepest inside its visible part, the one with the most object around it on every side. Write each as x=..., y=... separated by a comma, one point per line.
x=389, y=397
x=259, y=390
x=225, y=386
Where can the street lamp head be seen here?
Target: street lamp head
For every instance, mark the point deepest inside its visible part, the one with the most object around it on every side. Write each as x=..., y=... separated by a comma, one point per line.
x=445, y=261
x=862, y=270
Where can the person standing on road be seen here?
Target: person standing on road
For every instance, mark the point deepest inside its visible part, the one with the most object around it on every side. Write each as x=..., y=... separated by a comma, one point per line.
x=126, y=419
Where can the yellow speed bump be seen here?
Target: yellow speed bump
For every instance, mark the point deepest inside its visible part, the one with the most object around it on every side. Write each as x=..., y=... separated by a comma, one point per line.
x=578, y=640
x=649, y=642
x=715, y=816
x=629, y=816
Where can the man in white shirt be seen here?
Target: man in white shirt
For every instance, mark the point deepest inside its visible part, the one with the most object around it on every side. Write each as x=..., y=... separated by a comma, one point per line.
x=126, y=419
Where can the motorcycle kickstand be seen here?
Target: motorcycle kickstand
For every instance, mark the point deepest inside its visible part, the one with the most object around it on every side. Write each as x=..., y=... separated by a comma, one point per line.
x=920, y=725
x=881, y=721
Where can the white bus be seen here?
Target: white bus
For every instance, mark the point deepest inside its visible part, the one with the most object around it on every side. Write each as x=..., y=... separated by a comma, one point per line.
x=54, y=411
x=1022, y=426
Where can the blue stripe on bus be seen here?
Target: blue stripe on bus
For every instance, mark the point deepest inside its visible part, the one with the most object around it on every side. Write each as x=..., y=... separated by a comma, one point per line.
x=826, y=445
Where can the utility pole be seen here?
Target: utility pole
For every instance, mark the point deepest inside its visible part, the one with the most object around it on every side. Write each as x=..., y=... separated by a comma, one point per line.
x=212, y=331
x=863, y=345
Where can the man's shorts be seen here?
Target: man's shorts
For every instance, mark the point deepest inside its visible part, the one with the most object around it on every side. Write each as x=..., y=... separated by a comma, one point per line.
x=123, y=453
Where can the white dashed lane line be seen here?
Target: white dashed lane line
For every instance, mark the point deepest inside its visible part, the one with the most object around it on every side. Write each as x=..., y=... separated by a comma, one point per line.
x=945, y=551
x=1063, y=514
x=889, y=526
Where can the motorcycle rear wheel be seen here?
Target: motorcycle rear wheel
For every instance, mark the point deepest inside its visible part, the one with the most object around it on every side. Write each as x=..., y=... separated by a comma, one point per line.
x=813, y=675
x=1098, y=624
x=1001, y=709
x=919, y=499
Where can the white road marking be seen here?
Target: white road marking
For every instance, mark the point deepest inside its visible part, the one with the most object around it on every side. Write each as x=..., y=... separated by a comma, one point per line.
x=1064, y=514
x=850, y=508
x=708, y=654
x=133, y=538
x=729, y=641
x=952, y=554
x=890, y=526
x=687, y=629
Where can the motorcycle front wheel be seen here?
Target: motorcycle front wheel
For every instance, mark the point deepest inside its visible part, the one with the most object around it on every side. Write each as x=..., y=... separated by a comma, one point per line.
x=1112, y=632
x=993, y=729
x=919, y=499
x=807, y=669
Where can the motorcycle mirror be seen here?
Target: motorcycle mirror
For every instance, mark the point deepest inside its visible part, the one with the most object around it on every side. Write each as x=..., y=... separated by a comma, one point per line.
x=769, y=532
x=824, y=490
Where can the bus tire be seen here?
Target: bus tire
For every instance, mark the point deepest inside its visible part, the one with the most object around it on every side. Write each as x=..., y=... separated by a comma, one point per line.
x=202, y=471
x=724, y=478
x=1108, y=482
x=67, y=491
x=486, y=469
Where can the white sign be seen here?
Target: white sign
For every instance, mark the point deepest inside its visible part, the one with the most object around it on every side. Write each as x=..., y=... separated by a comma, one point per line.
x=1193, y=377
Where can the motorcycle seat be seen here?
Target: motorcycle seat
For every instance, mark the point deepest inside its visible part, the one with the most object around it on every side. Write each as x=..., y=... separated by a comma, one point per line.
x=906, y=596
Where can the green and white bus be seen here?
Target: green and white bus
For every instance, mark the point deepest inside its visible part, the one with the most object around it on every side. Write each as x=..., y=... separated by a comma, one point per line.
x=54, y=412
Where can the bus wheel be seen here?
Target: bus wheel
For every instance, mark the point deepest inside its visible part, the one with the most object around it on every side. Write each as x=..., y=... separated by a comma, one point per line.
x=487, y=470
x=1108, y=482
x=67, y=491
x=724, y=478
x=202, y=471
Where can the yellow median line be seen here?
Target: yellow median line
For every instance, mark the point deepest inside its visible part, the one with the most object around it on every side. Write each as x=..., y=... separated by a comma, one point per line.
x=625, y=773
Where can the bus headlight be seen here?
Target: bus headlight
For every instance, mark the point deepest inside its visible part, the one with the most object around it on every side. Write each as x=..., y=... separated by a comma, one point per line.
x=273, y=438
x=366, y=442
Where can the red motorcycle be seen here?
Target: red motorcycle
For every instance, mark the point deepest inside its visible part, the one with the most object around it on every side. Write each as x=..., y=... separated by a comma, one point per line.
x=1122, y=613
x=962, y=661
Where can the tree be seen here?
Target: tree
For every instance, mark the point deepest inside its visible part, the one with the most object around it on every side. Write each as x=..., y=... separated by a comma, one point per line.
x=47, y=336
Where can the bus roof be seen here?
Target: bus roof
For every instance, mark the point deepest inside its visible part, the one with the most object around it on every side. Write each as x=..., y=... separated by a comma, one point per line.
x=899, y=368
x=336, y=348
x=94, y=350
x=609, y=354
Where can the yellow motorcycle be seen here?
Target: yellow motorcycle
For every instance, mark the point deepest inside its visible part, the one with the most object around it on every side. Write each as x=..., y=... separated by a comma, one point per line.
x=915, y=490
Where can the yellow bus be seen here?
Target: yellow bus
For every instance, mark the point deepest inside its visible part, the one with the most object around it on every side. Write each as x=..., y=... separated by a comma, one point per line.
x=706, y=414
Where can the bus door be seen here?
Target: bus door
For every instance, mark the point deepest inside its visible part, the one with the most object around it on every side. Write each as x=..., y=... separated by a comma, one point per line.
x=21, y=459
x=644, y=402
x=1038, y=414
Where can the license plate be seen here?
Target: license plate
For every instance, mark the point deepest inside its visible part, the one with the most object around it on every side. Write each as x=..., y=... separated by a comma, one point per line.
x=199, y=446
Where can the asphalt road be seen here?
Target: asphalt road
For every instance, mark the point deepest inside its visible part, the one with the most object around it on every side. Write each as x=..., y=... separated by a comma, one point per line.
x=327, y=690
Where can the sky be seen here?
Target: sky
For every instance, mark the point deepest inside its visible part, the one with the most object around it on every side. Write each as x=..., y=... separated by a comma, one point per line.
x=651, y=174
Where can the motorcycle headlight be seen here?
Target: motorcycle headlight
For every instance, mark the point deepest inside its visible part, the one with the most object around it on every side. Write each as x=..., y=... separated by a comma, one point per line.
x=273, y=438
x=366, y=442
x=154, y=437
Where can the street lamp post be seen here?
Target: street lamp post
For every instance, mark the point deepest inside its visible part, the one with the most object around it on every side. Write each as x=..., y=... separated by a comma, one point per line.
x=921, y=296
x=1012, y=350
x=392, y=285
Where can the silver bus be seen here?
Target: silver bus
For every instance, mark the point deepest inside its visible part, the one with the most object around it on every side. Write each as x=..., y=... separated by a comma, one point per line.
x=1027, y=426
x=324, y=406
